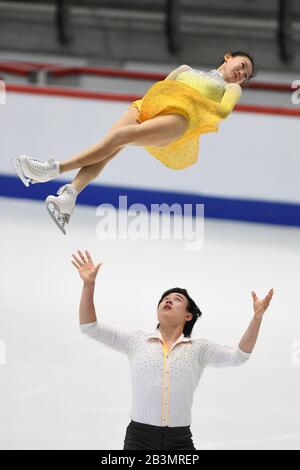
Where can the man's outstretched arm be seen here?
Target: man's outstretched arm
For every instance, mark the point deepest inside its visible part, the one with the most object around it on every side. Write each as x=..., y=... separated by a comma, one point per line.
x=88, y=272
x=260, y=306
x=105, y=334
x=216, y=355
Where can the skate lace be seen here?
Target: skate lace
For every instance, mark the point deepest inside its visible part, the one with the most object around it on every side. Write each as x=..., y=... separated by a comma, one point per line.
x=48, y=161
x=61, y=190
x=66, y=187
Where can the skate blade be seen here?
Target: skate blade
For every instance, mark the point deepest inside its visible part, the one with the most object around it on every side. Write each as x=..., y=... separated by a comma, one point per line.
x=52, y=209
x=18, y=169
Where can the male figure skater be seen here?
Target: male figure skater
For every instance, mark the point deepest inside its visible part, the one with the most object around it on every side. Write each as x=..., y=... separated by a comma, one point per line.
x=166, y=366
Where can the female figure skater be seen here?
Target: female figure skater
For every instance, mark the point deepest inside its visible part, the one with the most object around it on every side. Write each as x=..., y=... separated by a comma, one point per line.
x=167, y=364
x=167, y=122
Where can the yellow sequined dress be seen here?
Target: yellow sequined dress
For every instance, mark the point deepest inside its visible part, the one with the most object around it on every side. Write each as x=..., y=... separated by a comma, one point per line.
x=204, y=98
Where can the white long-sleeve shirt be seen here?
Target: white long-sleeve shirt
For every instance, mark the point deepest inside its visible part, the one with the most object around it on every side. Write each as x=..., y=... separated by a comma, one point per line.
x=164, y=382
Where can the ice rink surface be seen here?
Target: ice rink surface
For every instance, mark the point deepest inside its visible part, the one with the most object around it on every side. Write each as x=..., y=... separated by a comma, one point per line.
x=61, y=390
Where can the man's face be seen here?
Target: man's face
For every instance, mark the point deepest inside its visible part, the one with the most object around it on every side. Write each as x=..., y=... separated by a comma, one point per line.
x=173, y=310
x=236, y=69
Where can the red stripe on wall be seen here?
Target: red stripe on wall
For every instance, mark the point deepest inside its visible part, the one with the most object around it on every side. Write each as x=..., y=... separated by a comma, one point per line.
x=69, y=93
x=105, y=72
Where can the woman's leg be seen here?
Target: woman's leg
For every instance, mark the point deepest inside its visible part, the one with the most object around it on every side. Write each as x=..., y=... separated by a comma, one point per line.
x=61, y=207
x=159, y=131
x=90, y=172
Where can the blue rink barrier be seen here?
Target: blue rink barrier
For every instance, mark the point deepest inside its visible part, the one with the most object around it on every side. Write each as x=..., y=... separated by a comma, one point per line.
x=248, y=210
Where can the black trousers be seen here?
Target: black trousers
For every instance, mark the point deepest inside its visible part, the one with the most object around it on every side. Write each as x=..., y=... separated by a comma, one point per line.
x=141, y=436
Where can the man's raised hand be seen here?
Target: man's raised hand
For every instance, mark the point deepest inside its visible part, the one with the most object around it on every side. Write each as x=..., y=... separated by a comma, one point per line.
x=85, y=266
x=261, y=305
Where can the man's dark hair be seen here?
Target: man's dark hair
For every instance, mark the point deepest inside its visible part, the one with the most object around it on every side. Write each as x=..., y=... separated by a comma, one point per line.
x=243, y=54
x=191, y=307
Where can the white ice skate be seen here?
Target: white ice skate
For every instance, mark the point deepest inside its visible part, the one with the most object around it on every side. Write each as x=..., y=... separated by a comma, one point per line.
x=33, y=171
x=61, y=207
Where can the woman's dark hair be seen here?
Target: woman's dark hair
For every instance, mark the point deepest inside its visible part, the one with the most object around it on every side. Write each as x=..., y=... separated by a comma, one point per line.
x=192, y=308
x=243, y=54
